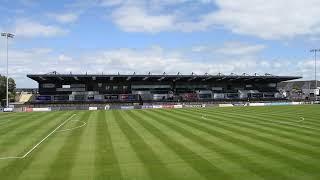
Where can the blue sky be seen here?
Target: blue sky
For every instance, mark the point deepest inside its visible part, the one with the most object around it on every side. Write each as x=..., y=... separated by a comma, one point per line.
x=126, y=36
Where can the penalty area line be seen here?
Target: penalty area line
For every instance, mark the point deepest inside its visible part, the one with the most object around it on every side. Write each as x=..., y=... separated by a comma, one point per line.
x=70, y=129
x=204, y=117
x=40, y=142
x=301, y=119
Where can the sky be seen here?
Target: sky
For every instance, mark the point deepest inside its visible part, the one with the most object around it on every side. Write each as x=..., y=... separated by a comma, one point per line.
x=157, y=36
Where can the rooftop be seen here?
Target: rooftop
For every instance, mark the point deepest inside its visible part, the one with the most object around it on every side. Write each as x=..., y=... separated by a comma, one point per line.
x=159, y=77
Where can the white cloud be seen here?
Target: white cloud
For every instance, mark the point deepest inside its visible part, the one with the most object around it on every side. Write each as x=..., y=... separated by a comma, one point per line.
x=236, y=48
x=200, y=49
x=271, y=19
x=230, y=49
x=65, y=17
x=23, y=62
x=28, y=28
x=158, y=60
x=136, y=19
x=63, y=57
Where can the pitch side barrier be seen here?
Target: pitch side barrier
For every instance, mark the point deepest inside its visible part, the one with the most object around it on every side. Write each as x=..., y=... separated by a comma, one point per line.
x=262, y=104
x=93, y=107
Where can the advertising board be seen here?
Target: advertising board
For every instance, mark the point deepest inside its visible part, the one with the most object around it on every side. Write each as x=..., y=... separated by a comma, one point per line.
x=41, y=109
x=93, y=108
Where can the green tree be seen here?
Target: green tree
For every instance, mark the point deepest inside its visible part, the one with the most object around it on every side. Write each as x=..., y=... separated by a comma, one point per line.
x=3, y=86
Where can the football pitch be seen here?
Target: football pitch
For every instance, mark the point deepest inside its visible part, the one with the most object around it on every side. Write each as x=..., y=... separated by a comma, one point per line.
x=279, y=142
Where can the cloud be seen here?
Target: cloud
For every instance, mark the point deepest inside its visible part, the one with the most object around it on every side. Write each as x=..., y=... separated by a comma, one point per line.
x=23, y=62
x=271, y=19
x=136, y=19
x=65, y=17
x=63, y=57
x=155, y=16
x=29, y=29
x=229, y=49
x=263, y=19
x=200, y=49
x=236, y=48
x=158, y=60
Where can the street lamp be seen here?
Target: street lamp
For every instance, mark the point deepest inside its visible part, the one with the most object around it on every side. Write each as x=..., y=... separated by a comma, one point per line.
x=7, y=35
x=315, y=69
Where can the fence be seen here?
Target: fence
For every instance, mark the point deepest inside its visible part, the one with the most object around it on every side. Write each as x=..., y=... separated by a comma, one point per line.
x=65, y=107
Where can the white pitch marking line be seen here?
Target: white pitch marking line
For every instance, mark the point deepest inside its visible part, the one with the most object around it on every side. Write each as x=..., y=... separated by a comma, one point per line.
x=34, y=147
x=69, y=129
x=48, y=136
x=204, y=117
x=3, y=158
x=301, y=119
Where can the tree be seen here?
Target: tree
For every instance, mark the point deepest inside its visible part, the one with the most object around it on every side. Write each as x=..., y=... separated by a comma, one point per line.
x=3, y=87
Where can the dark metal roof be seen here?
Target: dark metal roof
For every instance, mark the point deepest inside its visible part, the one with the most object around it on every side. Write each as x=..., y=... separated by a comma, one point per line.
x=164, y=77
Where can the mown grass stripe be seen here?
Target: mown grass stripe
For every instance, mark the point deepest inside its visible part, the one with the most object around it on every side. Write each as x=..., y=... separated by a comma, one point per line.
x=266, y=122
x=178, y=166
x=155, y=167
x=85, y=155
x=253, y=124
x=271, y=109
x=199, y=164
x=252, y=110
x=17, y=122
x=130, y=164
x=231, y=155
x=10, y=115
x=20, y=116
x=271, y=123
x=64, y=161
x=291, y=116
x=24, y=137
x=40, y=165
x=261, y=135
x=277, y=115
x=106, y=162
x=299, y=165
x=15, y=168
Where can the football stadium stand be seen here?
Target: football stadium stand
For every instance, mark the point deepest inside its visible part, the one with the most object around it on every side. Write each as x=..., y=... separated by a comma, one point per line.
x=24, y=97
x=297, y=90
x=71, y=88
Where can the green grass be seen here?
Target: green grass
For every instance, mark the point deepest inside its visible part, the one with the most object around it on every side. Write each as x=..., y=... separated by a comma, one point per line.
x=280, y=142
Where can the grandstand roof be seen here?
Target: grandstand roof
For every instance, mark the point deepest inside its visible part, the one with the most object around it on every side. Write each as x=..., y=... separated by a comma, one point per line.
x=162, y=77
